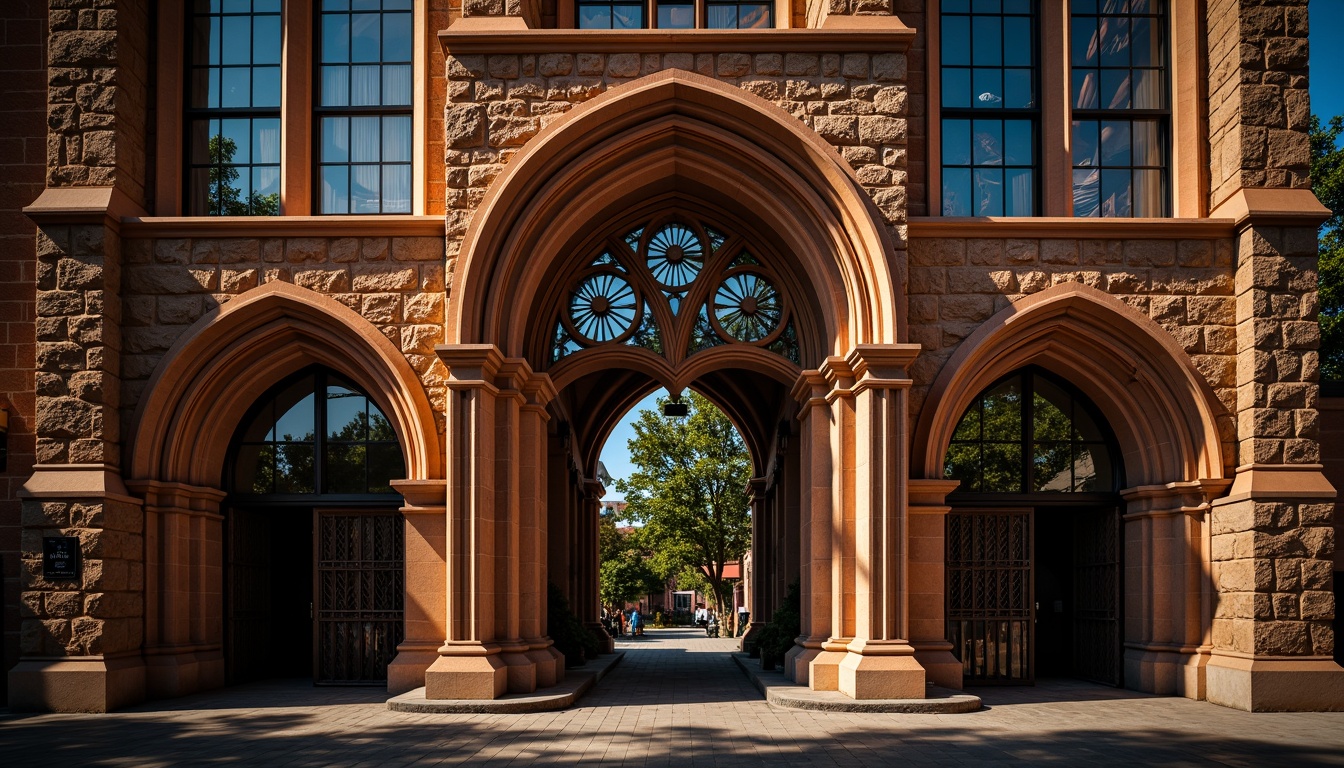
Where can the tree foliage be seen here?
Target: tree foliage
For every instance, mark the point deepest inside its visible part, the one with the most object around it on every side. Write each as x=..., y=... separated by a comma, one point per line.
x=1327, y=181
x=226, y=198
x=689, y=493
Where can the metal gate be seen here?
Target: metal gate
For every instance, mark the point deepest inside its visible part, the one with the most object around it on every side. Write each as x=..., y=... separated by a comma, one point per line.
x=1096, y=596
x=989, y=594
x=359, y=595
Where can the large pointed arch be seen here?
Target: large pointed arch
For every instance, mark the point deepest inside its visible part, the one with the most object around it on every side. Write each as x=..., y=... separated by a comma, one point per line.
x=683, y=138
x=231, y=356
x=1165, y=415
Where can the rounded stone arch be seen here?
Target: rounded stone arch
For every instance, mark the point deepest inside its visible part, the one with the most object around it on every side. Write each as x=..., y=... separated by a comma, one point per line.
x=1165, y=416
x=678, y=136
x=232, y=356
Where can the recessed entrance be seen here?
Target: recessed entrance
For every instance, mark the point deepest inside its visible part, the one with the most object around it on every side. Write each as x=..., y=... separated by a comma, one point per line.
x=1033, y=540
x=314, y=553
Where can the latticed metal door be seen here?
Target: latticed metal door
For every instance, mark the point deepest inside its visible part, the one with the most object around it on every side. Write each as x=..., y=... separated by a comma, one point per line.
x=989, y=594
x=359, y=595
x=1096, y=596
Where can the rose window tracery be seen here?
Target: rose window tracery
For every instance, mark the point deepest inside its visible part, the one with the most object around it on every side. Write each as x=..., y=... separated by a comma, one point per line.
x=675, y=286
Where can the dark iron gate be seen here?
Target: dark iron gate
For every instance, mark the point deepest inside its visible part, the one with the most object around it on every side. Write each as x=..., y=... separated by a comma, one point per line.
x=1096, y=596
x=359, y=595
x=989, y=594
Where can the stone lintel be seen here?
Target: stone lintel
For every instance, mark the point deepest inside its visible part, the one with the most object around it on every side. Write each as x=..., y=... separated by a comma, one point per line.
x=499, y=35
x=1278, y=481
x=1275, y=685
x=1272, y=207
x=87, y=684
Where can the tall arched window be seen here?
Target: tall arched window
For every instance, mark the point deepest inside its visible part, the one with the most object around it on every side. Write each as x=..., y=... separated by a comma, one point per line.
x=1031, y=433
x=316, y=434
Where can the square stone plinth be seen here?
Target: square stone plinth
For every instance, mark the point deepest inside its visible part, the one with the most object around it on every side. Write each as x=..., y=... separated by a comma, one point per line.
x=466, y=677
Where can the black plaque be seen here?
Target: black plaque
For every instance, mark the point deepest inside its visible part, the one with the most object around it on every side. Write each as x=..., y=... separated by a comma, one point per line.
x=60, y=558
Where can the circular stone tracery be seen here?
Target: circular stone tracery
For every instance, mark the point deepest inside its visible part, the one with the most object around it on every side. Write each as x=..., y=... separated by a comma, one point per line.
x=675, y=256
x=603, y=307
x=747, y=307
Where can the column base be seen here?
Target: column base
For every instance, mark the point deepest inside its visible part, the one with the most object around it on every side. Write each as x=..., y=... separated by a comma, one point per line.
x=798, y=662
x=1275, y=685
x=406, y=672
x=89, y=684
x=884, y=669
x=466, y=677
x=550, y=665
x=940, y=667
x=177, y=674
x=1170, y=673
x=520, y=671
x=824, y=671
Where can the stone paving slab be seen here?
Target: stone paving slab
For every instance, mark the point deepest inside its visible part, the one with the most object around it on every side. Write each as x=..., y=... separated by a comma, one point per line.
x=576, y=683
x=784, y=693
x=675, y=700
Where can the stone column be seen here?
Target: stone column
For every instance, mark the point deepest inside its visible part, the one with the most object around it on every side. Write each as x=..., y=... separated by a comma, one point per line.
x=533, y=493
x=184, y=587
x=824, y=674
x=1272, y=536
x=881, y=661
x=425, y=516
x=587, y=608
x=814, y=523
x=1170, y=603
x=927, y=585
x=522, y=670
x=754, y=587
x=469, y=666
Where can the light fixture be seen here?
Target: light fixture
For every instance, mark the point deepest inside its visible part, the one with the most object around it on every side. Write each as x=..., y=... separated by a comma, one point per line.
x=674, y=407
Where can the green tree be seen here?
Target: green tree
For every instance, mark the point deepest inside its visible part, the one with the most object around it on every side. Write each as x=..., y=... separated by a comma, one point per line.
x=627, y=577
x=1327, y=181
x=689, y=493
x=225, y=197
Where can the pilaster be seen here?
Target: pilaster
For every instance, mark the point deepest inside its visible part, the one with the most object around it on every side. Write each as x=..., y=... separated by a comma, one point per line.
x=426, y=556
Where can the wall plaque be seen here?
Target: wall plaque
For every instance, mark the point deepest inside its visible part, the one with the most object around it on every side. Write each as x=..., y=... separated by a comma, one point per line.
x=60, y=558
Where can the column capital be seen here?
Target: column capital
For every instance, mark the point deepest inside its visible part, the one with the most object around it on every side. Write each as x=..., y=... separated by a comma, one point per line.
x=882, y=362
x=470, y=364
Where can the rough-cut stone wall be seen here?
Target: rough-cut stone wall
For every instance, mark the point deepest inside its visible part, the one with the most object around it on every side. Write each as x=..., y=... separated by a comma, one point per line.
x=102, y=613
x=1186, y=286
x=97, y=114
x=1258, y=105
x=396, y=283
x=23, y=155
x=856, y=101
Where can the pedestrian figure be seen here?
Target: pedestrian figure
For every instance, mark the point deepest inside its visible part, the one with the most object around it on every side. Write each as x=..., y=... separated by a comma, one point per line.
x=636, y=623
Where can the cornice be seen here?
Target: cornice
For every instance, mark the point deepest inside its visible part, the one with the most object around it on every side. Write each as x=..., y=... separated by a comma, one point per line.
x=1069, y=228
x=892, y=37
x=283, y=226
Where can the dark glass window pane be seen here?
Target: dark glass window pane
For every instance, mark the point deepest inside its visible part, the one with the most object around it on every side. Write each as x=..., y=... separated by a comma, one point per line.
x=1050, y=419
x=364, y=37
x=1017, y=89
x=1147, y=91
x=1017, y=41
x=266, y=40
x=237, y=34
x=335, y=139
x=1018, y=142
x=956, y=40
x=956, y=88
x=1083, y=41
x=385, y=465
x=255, y=469
x=1085, y=149
x=1114, y=41
x=294, y=468
x=1093, y=470
x=963, y=463
x=1115, y=143
x=1020, y=193
x=987, y=142
x=594, y=17
x=397, y=37
x=235, y=87
x=1003, y=411
x=1148, y=194
x=345, y=468
x=336, y=189
x=1086, y=90
x=987, y=87
x=335, y=86
x=298, y=422
x=1115, y=90
x=986, y=6
x=266, y=141
x=988, y=192
x=365, y=139
x=956, y=6
x=956, y=142
x=1052, y=469
x=346, y=416
x=627, y=17
x=266, y=87
x=1115, y=192
x=722, y=16
x=1147, y=143
x=364, y=188
x=1002, y=468
x=676, y=16
x=365, y=86
x=1087, y=192
x=397, y=139
x=335, y=38
x=969, y=427
x=397, y=85
x=396, y=189
x=754, y=17
x=986, y=41
x=956, y=192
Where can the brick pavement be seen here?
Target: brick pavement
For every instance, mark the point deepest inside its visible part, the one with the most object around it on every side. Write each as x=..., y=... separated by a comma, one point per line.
x=676, y=700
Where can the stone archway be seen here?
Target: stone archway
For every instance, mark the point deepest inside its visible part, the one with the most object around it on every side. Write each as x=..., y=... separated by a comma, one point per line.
x=185, y=423
x=1169, y=426
x=668, y=141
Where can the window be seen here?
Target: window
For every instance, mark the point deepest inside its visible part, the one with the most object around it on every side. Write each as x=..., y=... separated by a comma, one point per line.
x=1030, y=433
x=989, y=109
x=1004, y=151
x=233, y=108
x=353, y=101
x=316, y=434
x=674, y=14
x=1120, y=108
x=364, y=106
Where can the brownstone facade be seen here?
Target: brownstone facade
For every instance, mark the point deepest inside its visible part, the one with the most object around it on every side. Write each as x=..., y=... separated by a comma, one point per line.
x=141, y=340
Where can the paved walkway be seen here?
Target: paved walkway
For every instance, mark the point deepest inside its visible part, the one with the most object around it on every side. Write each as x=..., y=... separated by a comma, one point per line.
x=676, y=700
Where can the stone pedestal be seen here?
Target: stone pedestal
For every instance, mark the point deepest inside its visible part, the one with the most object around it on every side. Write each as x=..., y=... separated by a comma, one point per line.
x=881, y=671
x=81, y=684
x=466, y=677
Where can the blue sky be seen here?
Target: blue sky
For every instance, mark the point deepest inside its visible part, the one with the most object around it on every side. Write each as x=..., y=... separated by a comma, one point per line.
x=1327, y=57
x=1327, y=99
